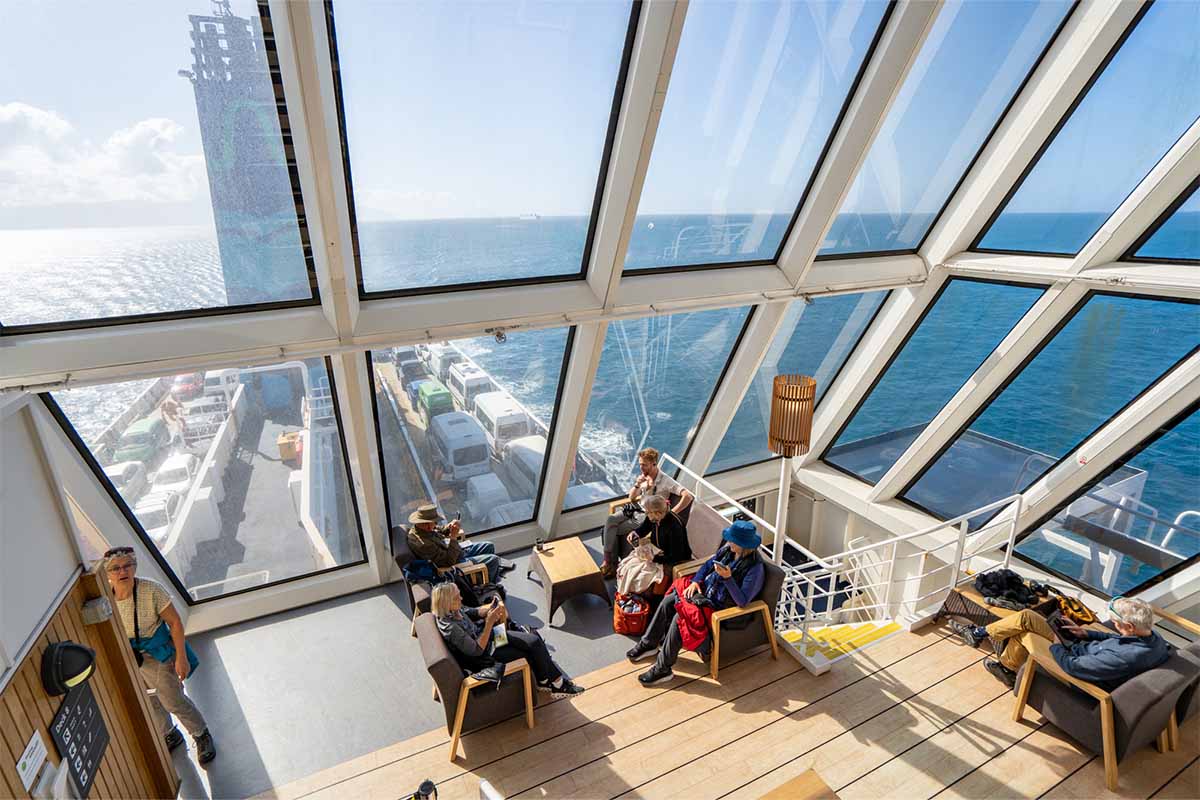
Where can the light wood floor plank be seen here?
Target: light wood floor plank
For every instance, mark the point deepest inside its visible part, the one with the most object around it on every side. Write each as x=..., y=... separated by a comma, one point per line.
x=1141, y=774
x=787, y=740
x=618, y=770
x=875, y=742
x=946, y=756
x=1026, y=769
x=1184, y=786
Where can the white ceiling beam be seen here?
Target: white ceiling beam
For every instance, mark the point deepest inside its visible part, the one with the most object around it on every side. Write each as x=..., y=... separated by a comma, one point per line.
x=1025, y=337
x=649, y=73
x=1081, y=47
x=1145, y=204
x=743, y=367
x=301, y=42
x=897, y=49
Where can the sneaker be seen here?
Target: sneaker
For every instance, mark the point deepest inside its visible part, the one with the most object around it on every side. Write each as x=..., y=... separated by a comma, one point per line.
x=506, y=566
x=655, y=676
x=205, y=750
x=1000, y=671
x=566, y=689
x=967, y=633
x=640, y=651
x=173, y=739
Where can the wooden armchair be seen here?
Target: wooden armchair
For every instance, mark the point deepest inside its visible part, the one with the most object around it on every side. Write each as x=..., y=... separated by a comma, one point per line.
x=419, y=593
x=1139, y=711
x=764, y=606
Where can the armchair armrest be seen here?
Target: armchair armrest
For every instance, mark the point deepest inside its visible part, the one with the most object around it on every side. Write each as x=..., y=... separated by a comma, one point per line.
x=1039, y=653
x=753, y=607
x=476, y=573
x=616, y=504
x=688, y=567
x=510, y=668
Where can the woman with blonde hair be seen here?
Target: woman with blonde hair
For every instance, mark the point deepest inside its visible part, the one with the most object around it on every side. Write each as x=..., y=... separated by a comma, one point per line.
x=470, y=633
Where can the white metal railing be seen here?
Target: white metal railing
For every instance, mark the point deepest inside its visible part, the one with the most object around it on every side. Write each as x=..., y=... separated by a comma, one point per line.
x=867, y=574
x=704, y=486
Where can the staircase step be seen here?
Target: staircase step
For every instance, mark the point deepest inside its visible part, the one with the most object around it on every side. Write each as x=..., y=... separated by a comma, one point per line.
x=830, y=643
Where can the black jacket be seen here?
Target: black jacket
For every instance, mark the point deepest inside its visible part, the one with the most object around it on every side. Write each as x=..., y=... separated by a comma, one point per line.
x=668, y=536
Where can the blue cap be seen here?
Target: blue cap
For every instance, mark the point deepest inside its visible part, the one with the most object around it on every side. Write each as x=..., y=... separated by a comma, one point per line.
x=743, y=534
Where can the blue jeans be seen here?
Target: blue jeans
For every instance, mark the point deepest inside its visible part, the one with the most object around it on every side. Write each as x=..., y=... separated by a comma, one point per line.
x=483, y=553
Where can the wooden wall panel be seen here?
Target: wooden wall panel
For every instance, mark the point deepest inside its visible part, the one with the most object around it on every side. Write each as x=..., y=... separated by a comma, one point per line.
x=136, y=763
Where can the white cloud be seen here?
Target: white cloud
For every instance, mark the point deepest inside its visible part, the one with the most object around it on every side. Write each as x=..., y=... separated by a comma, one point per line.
x=44, y=162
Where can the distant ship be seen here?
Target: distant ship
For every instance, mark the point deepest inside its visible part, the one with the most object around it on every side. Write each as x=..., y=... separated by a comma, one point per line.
x=529, y=217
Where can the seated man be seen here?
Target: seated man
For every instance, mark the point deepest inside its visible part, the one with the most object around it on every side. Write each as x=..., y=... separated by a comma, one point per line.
x=1105, y=659
x=651, y=481
x=667, y=541
x=440, y=545
x=733, y=576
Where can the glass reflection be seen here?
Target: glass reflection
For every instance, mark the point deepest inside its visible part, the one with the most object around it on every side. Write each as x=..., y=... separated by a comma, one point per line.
x=1178, y=238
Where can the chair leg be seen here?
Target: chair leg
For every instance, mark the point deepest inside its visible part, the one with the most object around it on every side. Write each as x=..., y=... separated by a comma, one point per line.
x=525, y=674
x=412, y=630
x=1023, y=691
x=1172, y=733
x=1162, y=744
x=770, y=629
x=463, y=694
x=1110, y=744
x=716, y=652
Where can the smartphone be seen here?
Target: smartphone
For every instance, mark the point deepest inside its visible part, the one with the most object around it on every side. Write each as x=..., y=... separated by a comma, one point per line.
x=458, y=516
x=495, y=600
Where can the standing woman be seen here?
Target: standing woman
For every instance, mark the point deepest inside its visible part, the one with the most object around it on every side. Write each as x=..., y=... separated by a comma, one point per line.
x=155, y=632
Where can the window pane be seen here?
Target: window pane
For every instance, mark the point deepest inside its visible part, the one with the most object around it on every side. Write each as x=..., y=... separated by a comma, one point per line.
x=1140, y=105
x=237, y=476
x=816, y=339
x=129, y=189
x=1109, y=352
x=967, y=321
x=466, y=423
x=475, y=134
x=754, y=95
x=1179, y=236
x=1142, y=519
x=969, y=69
x=655, y=380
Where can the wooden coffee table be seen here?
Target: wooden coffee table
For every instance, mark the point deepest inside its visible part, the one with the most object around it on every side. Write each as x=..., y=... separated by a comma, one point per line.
x=566, y=569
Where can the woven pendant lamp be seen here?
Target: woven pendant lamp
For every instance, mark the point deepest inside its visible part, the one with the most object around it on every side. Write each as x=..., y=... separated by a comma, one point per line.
x=792, y=400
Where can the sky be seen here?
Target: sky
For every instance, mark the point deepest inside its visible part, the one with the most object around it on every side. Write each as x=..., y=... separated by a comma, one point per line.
x=500, y=109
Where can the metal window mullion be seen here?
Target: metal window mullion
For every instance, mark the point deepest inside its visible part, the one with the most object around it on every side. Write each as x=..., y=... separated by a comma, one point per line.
x=1036, y=327
x=1157, y=192
x=893, y=56
x=1048, y=96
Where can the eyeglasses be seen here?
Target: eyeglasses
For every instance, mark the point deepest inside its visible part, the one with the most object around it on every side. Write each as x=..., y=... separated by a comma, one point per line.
x=128, y=565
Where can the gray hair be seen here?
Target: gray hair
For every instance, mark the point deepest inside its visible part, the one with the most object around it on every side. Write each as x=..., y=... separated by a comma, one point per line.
x=443, y=596
x=655, y=502
x=1135, y=612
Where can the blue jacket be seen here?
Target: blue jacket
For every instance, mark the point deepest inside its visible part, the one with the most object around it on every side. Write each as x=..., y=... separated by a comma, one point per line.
x=1108, y=659
x=726, y=592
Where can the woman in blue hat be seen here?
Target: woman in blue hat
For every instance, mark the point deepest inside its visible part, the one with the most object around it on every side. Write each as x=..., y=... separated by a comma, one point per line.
x=732, y=577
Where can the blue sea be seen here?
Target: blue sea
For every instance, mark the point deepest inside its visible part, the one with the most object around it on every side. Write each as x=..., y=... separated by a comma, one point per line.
x=656, y=374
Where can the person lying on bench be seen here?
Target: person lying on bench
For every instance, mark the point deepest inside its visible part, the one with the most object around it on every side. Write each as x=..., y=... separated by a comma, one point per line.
x=470, y=634
x=1105, y=659
x=733, y=576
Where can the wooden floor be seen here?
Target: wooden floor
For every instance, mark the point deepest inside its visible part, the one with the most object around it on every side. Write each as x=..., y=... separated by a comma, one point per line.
x=915, y=716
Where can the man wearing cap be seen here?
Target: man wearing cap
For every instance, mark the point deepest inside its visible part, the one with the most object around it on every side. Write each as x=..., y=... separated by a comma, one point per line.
x=732, y=577
x=439, y=544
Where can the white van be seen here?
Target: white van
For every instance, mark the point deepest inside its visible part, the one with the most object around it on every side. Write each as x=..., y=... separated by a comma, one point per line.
x=405, y=352
x=585, y=494
x=439, y=358
x=176, y=474
x=466, y=382
x=484, y=492
x=458, y=447
x=156, y=511
x=502, y=419
x=223, y=382
x=523, y=465
x=510, y=513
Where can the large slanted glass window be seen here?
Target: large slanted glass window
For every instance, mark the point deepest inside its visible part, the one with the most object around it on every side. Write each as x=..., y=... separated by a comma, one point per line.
x=755, y=94
x=1111, y=349
x=655, y=380
x=477, y=135
x=1177, y=237
x=971, y=66
x=466, y=424
x=967, y=320
x=1139, y=521
x=156, y=185
x=1142, y=101
x=237, y=477
x=816, y=339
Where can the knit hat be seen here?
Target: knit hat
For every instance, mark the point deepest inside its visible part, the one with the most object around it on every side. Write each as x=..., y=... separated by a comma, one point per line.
x=743, y=534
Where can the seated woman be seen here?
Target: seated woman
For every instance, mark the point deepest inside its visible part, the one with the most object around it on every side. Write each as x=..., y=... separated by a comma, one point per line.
x=469, y=635
x=659, y=543
x=733, y=576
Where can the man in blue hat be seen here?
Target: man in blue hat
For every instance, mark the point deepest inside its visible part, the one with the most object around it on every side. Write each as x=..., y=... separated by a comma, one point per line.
x=732, y=577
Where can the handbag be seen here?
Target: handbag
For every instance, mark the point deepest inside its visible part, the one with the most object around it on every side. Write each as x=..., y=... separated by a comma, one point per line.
x=1074, y=610
x=630, y=615
x=159, y=645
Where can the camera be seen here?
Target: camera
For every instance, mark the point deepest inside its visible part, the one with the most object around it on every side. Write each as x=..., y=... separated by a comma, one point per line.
x=630, y=510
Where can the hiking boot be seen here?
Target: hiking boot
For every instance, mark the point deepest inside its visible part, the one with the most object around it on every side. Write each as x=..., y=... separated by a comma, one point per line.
x=655, y=676
x=173, y=739
x=607, y=570
x=968, y=633
x=565, y=689
x=206, y=751
x=640, y=651
x=1000, y=671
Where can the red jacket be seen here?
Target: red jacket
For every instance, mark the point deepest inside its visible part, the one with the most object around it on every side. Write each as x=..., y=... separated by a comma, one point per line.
x=693, y=620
